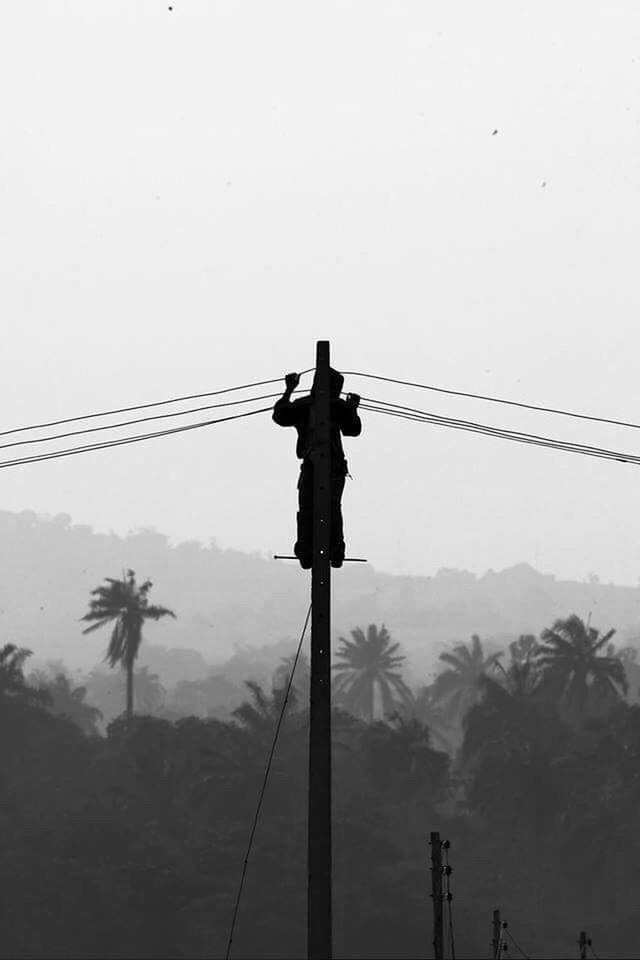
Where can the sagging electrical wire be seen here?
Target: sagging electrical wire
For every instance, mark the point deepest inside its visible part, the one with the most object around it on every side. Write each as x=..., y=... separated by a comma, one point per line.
x=144, y=406
x=264, y=787
x=500, y=430
x=88, y=448
x=502, y=400
x=130, y=423
x=410, y=413
x=504, y=434
x=422, y=416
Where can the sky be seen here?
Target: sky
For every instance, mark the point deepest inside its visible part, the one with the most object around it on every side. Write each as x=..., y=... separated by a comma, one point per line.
x=192, y=194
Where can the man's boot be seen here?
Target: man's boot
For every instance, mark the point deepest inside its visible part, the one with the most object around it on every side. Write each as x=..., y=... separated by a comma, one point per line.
x=336, y=556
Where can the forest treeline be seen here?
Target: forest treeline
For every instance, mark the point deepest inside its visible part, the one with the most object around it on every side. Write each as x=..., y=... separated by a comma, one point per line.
x=228, y=600
x=128, y=840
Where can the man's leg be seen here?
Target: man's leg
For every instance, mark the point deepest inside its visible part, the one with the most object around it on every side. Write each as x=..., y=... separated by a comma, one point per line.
x=303, y=548
x=337, y=532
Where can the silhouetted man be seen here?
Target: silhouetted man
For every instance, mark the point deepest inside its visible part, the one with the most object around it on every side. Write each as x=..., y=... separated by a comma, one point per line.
x=344, y=420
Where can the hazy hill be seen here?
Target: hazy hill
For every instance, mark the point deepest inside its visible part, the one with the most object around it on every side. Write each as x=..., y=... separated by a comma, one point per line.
x=226, y=600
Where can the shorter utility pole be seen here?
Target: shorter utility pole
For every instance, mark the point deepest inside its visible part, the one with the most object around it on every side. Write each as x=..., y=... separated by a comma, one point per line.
x=436, y=895
x=582, y=945
x=496, y=938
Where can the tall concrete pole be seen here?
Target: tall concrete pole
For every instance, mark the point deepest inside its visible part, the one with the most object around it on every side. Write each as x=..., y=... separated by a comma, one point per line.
x=319, y=923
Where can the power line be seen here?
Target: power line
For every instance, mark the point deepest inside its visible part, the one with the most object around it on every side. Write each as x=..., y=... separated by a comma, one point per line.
x=539, y=439
x=481, y=426
x=375, y=406
x=36, y=458
x=567, y=447
x=144, y=406
x=502, y=433
x=511, y=403
x=130, y=423
x=264, y=786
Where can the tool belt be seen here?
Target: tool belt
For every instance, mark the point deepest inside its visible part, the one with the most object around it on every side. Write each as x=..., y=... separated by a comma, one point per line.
x=339, y=466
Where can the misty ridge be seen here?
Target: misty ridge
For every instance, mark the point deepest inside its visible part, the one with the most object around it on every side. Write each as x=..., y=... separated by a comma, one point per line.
x=502, y=710
x=242, y=608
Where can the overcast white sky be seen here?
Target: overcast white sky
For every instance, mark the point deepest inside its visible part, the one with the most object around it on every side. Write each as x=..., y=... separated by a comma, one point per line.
x=189, y=198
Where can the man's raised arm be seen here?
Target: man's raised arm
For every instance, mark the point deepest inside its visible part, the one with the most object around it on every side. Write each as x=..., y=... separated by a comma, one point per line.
x=351, y=425
x=283, y=412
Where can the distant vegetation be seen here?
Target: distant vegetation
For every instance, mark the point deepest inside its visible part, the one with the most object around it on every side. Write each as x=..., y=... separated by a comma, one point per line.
x=126, y=838
x=229, y=601
x=127, y=789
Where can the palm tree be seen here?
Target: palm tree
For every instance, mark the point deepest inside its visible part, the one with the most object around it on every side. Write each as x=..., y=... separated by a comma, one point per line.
x=260, y=714
x=521, y=680
x=458, y=688
x=128, y=604
x=509, y=704
x=12, y=680
x=524, y=648
x=259, y=717
x=369, y=663
x=573, y=668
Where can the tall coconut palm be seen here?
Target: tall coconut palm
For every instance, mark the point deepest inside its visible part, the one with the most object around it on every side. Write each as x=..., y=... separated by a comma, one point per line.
x=458, y=688
x=369, y=664
x=574, y=669
x=128, y=604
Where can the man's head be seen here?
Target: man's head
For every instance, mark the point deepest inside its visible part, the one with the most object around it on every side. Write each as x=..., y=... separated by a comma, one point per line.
x=336, y=383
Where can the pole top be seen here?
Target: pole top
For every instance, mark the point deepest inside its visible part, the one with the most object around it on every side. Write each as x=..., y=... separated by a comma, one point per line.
x=322, y=352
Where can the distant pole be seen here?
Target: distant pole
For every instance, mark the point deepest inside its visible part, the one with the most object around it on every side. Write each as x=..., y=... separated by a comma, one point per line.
x=319, y=924
x=582, y=944
x=436, y=895
x=496, y=938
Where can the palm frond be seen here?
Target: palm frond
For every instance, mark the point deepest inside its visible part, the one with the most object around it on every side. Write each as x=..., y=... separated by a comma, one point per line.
x=96, y=626
x=453, y=660
x=155, y=613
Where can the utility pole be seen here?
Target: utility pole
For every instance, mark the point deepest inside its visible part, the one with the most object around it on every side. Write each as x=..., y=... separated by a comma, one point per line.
x=496, y=938
x=319, y=924
x=582, y=945
x=436, y=895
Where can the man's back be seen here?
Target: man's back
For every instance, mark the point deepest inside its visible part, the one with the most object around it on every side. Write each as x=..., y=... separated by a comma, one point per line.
x=344, y=420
